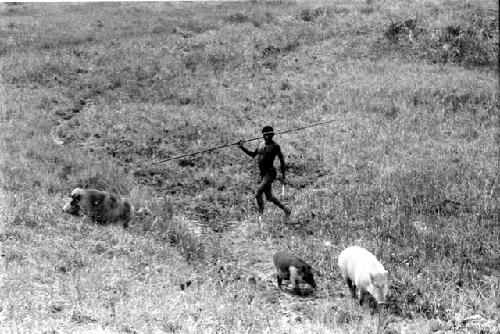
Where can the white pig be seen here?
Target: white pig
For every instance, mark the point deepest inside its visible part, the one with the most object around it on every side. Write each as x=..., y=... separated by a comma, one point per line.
x=363, y=273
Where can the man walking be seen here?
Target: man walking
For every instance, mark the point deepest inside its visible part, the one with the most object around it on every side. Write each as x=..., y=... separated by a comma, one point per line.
x=266, y=152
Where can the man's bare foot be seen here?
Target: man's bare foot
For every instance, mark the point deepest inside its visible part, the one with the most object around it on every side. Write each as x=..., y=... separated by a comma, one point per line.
x=288, y=212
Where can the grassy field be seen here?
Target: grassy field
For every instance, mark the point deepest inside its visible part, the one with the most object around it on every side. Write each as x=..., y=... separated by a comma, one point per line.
x=93, y=93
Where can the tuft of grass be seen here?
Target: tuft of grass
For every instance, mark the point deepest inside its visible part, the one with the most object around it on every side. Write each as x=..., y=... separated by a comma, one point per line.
x=178, y=232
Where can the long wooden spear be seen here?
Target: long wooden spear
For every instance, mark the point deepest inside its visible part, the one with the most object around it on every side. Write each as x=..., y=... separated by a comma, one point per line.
x=244, y=140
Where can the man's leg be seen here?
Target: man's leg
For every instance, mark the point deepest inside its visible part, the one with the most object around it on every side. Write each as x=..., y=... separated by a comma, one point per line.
x=275, y=201
x=269, y=178
x=259, y=192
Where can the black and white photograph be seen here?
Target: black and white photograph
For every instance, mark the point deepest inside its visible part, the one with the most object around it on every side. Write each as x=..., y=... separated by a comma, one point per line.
x=252, y=166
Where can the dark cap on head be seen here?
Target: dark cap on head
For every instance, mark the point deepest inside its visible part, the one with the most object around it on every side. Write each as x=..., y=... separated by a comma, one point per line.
x=268, y=129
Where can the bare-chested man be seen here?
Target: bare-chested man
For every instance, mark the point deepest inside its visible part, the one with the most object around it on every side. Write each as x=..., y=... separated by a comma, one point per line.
x=266, y=152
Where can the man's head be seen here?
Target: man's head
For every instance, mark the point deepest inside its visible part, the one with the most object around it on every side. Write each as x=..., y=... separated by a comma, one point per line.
x=267, y=132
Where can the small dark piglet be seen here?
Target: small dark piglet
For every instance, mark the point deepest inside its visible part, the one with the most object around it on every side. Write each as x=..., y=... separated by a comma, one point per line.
x=289, y=267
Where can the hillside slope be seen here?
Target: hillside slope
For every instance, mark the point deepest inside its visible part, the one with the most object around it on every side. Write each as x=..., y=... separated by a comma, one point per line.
x=93, y=93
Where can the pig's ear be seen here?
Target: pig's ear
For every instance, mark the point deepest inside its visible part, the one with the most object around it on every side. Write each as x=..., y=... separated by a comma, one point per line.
x=371, y=277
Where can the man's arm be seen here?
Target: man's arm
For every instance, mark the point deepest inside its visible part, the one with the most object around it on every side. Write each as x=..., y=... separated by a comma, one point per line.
x=253, y=154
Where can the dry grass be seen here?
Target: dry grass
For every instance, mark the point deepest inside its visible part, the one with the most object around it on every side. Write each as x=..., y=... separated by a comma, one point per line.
x=91, y=94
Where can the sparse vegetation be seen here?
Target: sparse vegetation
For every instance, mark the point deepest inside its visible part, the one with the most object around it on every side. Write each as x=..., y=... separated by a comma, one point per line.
x=92, y=93
x=470, y=38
